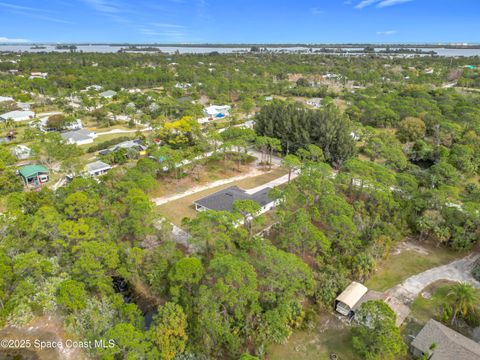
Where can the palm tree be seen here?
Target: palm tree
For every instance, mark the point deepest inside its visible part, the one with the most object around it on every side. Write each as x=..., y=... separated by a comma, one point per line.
x=464, y=298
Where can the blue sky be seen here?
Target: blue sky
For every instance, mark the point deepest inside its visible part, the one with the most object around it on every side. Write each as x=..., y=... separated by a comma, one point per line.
x=240, y=21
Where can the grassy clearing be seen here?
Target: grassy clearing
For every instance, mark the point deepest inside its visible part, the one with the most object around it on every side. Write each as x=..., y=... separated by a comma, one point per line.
x=329, y=336
x=176, y=210
x=424, y=309
x=211, y=171
x=397, y=268
x=429, y=305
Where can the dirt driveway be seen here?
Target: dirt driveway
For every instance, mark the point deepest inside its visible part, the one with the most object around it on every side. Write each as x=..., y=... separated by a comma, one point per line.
x=457, y=271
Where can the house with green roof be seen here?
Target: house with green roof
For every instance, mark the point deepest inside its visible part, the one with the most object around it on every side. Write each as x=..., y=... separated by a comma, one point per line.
x=34, y=175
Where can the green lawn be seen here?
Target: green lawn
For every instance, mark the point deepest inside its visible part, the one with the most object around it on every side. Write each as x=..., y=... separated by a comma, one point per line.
x=397, y=268
x=329, y=336
x=424, y=309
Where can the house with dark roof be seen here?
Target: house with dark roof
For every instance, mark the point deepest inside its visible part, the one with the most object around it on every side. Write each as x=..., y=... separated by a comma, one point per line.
x=223, y=200
x=438, y=342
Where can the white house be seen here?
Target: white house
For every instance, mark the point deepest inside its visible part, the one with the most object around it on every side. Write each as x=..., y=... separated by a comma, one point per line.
x=217, y=111
x=79, y=137
x=42, y=124
x=315, y=102
x=97, y=168
x=74, y=125
x=183, y=86
x=108, y=94
x=21, y=152
x=94, y=87
x=5, y=99
x=17, y=115
x=38, y=75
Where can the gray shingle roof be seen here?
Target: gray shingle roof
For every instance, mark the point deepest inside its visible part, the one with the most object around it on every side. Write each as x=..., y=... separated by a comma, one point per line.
x=449, y=344
x=97, y=166
x=77, y=135
x=224, y=199
x=108, y=93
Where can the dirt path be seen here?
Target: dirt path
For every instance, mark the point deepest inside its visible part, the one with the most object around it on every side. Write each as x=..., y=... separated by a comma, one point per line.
x=42, y=329
x=457, y=271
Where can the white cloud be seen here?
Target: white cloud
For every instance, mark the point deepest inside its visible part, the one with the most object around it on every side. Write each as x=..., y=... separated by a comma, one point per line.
x=103, y=6
x=4, y=40
x=365, y=3
x=172, y=26
x=17, y=7
x=380, y=3
x=387, y=32
x=386, y=3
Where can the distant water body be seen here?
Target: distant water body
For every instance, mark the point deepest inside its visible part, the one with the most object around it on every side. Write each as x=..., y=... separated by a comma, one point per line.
x=224, y=50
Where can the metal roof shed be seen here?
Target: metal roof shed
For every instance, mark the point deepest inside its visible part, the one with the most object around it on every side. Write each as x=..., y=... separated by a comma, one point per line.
x=346, y=301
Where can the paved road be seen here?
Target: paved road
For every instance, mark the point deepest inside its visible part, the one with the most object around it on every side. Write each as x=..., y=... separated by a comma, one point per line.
x=458, y=271
x=122, y=131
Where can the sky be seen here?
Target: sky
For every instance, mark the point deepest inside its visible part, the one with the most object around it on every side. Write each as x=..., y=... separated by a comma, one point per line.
x=240, y=21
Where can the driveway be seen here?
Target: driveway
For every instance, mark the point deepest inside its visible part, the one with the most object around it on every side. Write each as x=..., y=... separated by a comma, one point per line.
x=457, y=271
x=166, y=199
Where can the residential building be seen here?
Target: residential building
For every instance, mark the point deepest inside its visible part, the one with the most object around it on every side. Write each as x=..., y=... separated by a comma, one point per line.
x=97, y=168
x=108, y=94
x=42, y=125
x=183, y=86
x=38, y=75
x=130, y=144
x=223, y=200
x=79, y=137
x=94, y=87
x=17, y=115
x=315, y=102
x=34, y=175
x=438, y=342
x=21, y=152
x=215, y=111
x=5, y=99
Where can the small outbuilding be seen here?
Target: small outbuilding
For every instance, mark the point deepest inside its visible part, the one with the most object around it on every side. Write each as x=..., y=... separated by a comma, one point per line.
x=356, y=294
x=345, y=302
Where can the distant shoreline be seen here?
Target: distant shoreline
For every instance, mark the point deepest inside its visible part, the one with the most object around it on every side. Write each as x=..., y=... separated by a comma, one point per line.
x=275, y=45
